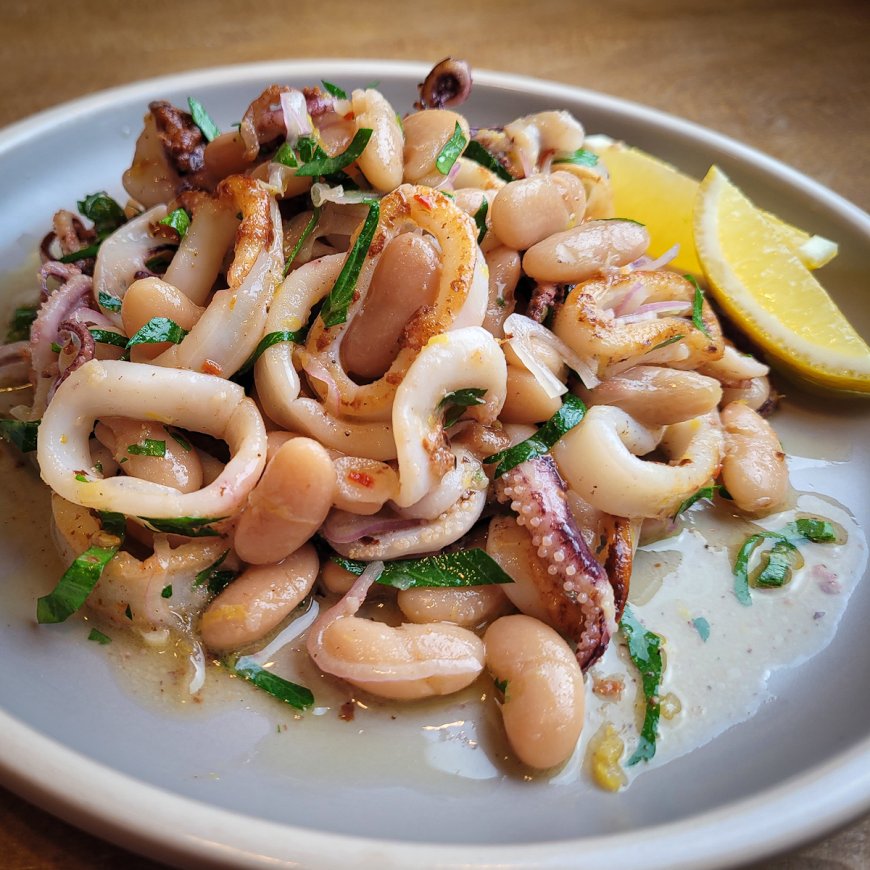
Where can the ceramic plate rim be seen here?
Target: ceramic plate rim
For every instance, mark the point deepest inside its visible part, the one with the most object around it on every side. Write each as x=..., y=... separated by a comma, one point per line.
x=144, y=817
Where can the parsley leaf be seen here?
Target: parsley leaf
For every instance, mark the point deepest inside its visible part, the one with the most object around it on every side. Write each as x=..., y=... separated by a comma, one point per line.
x=156, y=330
x=192, y=527
x=203, y=120
x=271, y=338
x=325, y=165
x=697, y=305
x=566, y=418
x=450, y=151
x=179, y=220
x=19, y=325
x=290, y=693
x=80, y=578
x=480, y=220
x=21, y=433
x=445, y=570
x=645, y=651
x=455, y=403
x=334, y=310
x=335, y=90
x=476, y=152
x=147, y=447
x=581, y=157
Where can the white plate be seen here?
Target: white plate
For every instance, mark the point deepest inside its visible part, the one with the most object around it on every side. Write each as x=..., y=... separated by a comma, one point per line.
x=193, y=786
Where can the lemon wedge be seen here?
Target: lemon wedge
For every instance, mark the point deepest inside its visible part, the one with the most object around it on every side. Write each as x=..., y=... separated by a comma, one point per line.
x=654, y=193
x=761, y=283
x=662, y=198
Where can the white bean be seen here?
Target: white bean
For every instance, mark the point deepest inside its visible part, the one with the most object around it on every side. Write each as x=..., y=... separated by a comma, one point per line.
x=754, y=469
x=543, y=693
x=258, y=600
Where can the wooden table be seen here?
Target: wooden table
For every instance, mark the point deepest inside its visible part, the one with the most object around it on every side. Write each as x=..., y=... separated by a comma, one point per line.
x=790, y=78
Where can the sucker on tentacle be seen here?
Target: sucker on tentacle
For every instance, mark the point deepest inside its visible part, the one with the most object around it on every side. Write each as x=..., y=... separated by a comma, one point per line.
x=580, y=599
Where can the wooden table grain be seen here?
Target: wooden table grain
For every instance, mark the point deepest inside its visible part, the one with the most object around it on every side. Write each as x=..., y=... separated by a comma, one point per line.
x=790, y=77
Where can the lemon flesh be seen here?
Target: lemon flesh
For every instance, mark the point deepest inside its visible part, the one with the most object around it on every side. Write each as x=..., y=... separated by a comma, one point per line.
x=770, y=294
x=662, y=198
x=654, y=193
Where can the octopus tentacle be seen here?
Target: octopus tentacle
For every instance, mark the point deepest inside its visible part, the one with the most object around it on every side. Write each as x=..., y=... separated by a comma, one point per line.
x=580, y=599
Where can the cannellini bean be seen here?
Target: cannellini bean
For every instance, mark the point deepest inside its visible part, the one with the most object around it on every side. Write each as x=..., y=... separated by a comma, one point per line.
x=336, y=579
x=405, y=279
x=754, y=469
x=579, y=253
x=154, y=297
x=472, y=175
x=179, y=467
x=289, y=503
x=258, y=600
x=469, y=608
x=504, y=275
x=544, y=693
x=526, y=211
x=657, y=396
x=426, y=133
x=405, y=662
x=381, y=161
x=599, y=459
x=526, y=401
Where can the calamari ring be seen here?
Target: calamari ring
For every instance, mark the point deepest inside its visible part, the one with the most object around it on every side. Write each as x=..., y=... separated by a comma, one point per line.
x=597, y=461
x=460, y=300
x=278, y=381
x=586, y=325
x=187, y=399
x=227, y=333
x=464, y=358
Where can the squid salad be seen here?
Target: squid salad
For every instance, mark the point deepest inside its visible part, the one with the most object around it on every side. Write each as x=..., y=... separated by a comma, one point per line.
x=406, y=397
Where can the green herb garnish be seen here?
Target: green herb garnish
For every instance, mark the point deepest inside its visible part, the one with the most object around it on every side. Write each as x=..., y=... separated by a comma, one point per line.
x=286, y=155
x=309, y=229
x=81, y=254
x=203, y=120
x=672, y=340
x=128, y=612
x=455, y=403
x=480, y=220
x=326, y=165
x=702, y=627
x=267, y=341
x=191, y=527
x=80, y=578
x=581, y=157
x=697, y=305
x=566, y=418
x=704, y=492
x=147, y=447
x=777, y=571
x=166, y=591
x=450, y=151
x=645, y=650
x=156, y=330
x=214, y=579
x=104, y=212
x=476, y=152
x=109, y=302
x=179, y=220
x=98, y=637
x=181, y=441
x=21, y=433
x=334, y=310
x=19, y=325
x=290, y=693
x=335, y=90
x=501, y=685
x=445, y=570
x=108, y=336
